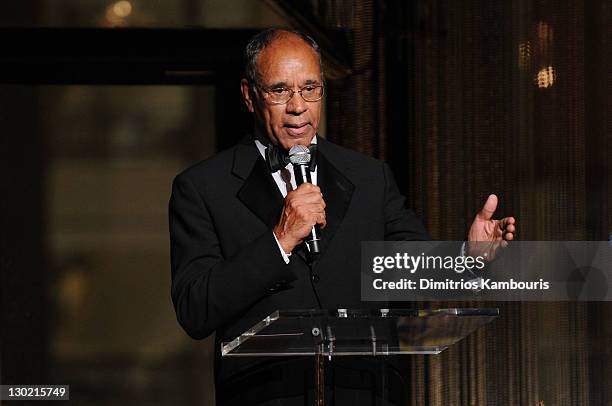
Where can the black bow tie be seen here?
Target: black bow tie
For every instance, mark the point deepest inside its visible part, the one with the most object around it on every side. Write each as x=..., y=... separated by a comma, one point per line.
x=277, y=158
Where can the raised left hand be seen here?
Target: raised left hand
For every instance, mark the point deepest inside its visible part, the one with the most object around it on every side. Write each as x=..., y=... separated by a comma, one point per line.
x=491, y=235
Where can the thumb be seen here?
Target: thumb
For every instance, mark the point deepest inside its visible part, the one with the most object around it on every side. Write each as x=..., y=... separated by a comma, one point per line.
x=489, y=208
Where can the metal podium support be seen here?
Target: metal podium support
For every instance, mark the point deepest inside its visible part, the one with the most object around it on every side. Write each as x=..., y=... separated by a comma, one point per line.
x=320, y=377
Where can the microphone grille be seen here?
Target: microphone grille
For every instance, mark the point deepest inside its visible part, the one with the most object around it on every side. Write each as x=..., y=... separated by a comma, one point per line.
x=299, y=155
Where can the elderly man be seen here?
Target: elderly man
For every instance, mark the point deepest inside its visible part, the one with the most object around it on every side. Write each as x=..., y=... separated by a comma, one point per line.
x=238, y=221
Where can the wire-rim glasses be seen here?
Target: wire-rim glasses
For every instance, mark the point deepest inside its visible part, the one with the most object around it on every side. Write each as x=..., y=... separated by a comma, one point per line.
x=282, y=95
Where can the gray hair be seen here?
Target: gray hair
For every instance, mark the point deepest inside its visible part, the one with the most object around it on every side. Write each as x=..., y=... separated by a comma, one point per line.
x=264, y=38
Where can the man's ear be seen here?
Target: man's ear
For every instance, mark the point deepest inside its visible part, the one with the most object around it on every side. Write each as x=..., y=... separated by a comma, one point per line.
x=245, y=88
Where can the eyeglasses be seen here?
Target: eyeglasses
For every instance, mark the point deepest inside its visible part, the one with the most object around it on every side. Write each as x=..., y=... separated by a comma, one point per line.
x=282, y=95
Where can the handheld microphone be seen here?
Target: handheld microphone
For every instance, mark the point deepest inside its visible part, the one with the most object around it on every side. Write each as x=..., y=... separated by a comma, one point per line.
x=299, y=156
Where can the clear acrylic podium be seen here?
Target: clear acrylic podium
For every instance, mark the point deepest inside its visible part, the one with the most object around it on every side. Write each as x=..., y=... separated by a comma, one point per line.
x=343, y=332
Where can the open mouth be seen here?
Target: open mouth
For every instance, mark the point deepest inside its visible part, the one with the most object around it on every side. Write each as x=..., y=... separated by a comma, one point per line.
x=296, y=129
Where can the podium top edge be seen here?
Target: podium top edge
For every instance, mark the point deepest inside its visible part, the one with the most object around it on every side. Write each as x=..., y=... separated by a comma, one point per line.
x=368, y=313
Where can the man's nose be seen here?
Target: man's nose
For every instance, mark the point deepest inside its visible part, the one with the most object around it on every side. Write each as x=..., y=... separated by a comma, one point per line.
x=296, y=105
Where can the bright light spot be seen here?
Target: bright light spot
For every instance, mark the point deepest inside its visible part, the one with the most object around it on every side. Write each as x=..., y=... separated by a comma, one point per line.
x=546, y=77
x=117, y=14
x=122, y=8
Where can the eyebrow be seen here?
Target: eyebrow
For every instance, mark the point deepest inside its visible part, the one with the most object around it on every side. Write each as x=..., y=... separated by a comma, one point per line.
x=286, y=85
x=278, y=84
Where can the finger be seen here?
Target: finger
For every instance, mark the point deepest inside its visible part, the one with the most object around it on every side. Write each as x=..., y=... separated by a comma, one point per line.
x=321, y=220
x=313, y=217
x=307, y=191
x=312, y=199
x=308, y=187
x=315, y=209
x=509, y=237
x=504, y=243
x=489, y=208
x=510, y=228
x=506, y=221
x=306, y=198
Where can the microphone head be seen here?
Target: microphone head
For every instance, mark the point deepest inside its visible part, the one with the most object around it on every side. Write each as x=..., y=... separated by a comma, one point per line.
x=299, y=155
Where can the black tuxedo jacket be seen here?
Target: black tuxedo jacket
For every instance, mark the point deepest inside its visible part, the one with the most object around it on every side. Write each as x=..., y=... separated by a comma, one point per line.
x=227, y=269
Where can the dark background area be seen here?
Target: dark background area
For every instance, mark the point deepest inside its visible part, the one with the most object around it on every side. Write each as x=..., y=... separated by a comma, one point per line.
x=103, y=102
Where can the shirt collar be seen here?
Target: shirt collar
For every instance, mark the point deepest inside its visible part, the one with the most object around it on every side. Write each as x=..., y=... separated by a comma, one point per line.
x=262, y=148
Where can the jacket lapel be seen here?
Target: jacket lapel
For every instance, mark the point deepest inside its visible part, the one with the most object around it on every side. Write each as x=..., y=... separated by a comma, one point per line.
x=337, y=191
x=259, y=192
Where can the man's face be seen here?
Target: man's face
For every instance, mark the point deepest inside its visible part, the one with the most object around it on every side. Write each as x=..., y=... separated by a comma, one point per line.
x=291, y=63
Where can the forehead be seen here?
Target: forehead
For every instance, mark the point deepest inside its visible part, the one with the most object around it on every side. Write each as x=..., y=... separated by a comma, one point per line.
x=288, y=59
